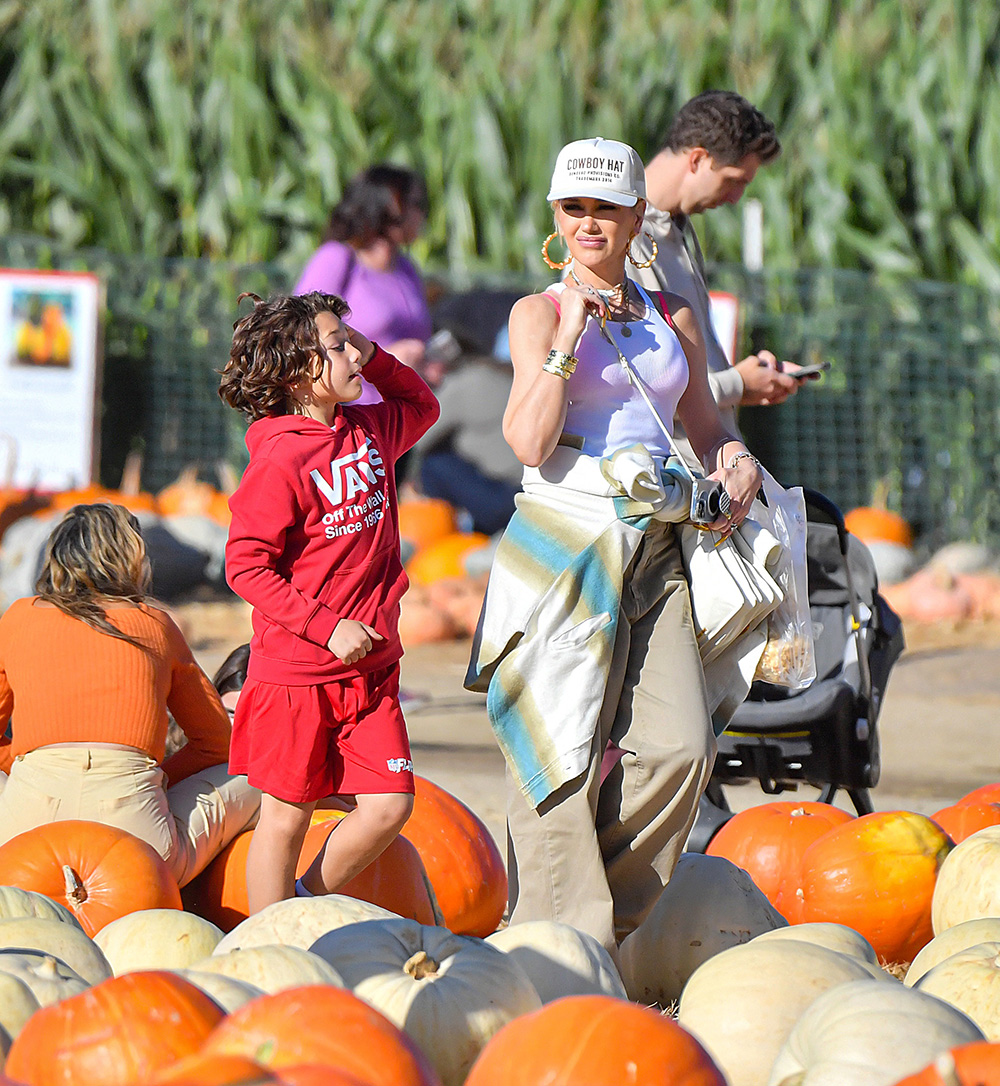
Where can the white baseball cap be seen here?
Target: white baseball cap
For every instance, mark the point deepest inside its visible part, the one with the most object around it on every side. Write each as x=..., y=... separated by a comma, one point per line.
x=599, y=168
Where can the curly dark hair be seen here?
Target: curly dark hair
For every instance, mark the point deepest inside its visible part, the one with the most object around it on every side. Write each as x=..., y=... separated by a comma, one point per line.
x=377, y=199
x=726, y=125
x=274, y=347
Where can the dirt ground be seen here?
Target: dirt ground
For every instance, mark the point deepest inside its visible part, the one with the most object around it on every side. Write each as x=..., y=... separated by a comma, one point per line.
x=939, y=728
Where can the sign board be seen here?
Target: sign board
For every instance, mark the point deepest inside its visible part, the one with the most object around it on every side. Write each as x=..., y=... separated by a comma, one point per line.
x=725, y=314
x=50, y=375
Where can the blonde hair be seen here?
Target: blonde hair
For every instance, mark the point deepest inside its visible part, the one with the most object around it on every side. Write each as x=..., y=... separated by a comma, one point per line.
x=95, y=556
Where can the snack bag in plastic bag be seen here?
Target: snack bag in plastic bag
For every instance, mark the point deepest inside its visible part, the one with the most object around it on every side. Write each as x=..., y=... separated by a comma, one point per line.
x=789, y=657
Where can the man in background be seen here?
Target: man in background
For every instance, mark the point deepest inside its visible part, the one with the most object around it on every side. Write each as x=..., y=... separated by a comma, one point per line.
x=713, y=149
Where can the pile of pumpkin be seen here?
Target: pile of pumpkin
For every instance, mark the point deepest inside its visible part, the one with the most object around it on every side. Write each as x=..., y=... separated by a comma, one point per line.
x=448, y=569
x=408, y=978
x=958, y=584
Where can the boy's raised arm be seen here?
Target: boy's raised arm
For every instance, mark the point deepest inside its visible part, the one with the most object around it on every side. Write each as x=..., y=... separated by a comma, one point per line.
x=410, y=408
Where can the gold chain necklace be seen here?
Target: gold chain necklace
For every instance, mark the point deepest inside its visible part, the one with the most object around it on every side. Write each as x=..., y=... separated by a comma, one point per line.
x=615, y=298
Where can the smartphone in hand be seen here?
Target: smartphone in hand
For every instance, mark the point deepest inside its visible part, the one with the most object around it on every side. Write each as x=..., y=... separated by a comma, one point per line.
x=810, y=371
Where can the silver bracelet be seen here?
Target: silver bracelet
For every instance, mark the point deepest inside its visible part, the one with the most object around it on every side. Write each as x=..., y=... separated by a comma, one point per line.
x=737, y=457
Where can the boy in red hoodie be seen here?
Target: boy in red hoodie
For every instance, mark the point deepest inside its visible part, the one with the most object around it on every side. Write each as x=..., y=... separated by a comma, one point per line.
x=314, y=548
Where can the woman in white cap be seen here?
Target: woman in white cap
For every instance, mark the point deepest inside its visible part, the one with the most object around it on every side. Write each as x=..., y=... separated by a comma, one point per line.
x=586, y=638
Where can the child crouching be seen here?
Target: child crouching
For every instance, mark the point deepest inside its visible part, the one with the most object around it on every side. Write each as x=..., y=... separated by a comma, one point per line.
x=314, y=548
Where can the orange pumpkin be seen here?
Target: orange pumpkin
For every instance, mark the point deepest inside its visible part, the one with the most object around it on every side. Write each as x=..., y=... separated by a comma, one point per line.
x=325, y=1025
x=768, y=840
x=189, y=496
x=396, y=880
x=461, y=859
x=314, y=1074
x=461, y=598
x=870, y=523
x=98, y=872
x=986, y=793
x=876, y=874
x=420, y=622
x=961, y=820
x=425, y=520
x=122, y=1031
x=141, y=502
x=594, y=1039
x=444, y=557
x=974, y=1064
x=202, y=1070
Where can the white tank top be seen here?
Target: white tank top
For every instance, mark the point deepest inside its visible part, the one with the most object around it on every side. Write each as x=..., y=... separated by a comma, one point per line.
x=604, y=409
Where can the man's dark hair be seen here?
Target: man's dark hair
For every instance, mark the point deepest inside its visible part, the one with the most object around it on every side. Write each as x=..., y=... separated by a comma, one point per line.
x=726, y=125
x=274, y=347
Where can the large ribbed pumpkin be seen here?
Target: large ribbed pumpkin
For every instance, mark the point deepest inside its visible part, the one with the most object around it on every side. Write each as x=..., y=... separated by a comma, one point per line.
x=201, y=1070
x=974, y=1064
x=396, y=880
x=985, y=793
x=768, y=840
x=962, y=820
x=325, y=1025
x=594, y=1039
x=98, y=872
x=876, y=874
x=461, y=860
x=122, y=1031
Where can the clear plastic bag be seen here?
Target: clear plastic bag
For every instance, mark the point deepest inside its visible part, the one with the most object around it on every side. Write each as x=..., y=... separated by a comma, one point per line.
x=789, y=657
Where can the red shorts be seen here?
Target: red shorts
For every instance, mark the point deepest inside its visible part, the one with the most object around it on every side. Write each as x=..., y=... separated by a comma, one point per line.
x=303, y=743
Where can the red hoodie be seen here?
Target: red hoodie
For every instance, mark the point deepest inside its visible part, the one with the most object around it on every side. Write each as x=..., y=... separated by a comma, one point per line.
x=315, y=535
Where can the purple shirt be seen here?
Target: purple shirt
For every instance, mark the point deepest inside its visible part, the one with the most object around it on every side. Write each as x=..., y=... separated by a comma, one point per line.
x=386, y=306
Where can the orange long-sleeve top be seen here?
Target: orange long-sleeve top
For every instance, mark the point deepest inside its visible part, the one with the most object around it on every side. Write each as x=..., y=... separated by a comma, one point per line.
x=62, y=681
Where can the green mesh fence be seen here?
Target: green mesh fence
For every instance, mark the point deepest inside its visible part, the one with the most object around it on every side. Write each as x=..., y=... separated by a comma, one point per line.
x=911, y=405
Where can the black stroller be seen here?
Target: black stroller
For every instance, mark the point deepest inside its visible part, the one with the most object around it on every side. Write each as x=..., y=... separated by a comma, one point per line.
x=825, y=735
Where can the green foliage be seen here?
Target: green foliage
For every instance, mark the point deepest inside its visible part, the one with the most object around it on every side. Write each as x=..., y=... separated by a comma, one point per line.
x=228, y=127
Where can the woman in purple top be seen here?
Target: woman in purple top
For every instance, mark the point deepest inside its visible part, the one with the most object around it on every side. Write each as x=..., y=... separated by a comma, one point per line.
x=382, y=210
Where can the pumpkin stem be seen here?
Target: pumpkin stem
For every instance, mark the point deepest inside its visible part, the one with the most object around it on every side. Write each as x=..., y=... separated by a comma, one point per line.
x=47, y=969
x=76, y=892
x=420, y=966
x=945, y=1067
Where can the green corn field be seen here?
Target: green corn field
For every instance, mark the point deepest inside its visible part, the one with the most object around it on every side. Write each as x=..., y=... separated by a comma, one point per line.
x=227, y=128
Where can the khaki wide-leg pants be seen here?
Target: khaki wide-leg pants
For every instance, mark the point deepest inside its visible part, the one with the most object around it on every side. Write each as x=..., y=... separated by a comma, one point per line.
x=595, y=855
x=188, y=824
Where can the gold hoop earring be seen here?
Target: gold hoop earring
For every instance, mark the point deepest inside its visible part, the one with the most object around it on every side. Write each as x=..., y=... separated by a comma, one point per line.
x=545, y=254
x=646, y=263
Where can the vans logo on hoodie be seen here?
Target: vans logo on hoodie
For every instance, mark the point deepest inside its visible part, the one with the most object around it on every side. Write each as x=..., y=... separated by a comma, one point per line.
x=349, y=487
x=354, y=473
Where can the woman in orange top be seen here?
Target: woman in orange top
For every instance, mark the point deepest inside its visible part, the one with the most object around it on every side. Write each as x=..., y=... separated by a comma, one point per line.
x=88, y=672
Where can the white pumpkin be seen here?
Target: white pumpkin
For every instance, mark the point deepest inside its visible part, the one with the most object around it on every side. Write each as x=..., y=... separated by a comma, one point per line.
x=17, y=1004
x=156, y=939
x=228, y=992
x=70, y=945
x=969, y=980
x=300, y=921
x=49, y=979
x=708, y=905
x=864, y=1034
x=559, y=960
x=960, y=937
x=16, y=903
x=743, y=1002
x=450, y=993
x=271, y=968
x=837, y=937
x=968, y=882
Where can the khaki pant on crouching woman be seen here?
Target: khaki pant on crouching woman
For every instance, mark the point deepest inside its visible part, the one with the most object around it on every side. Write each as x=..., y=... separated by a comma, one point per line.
x=188, y=824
